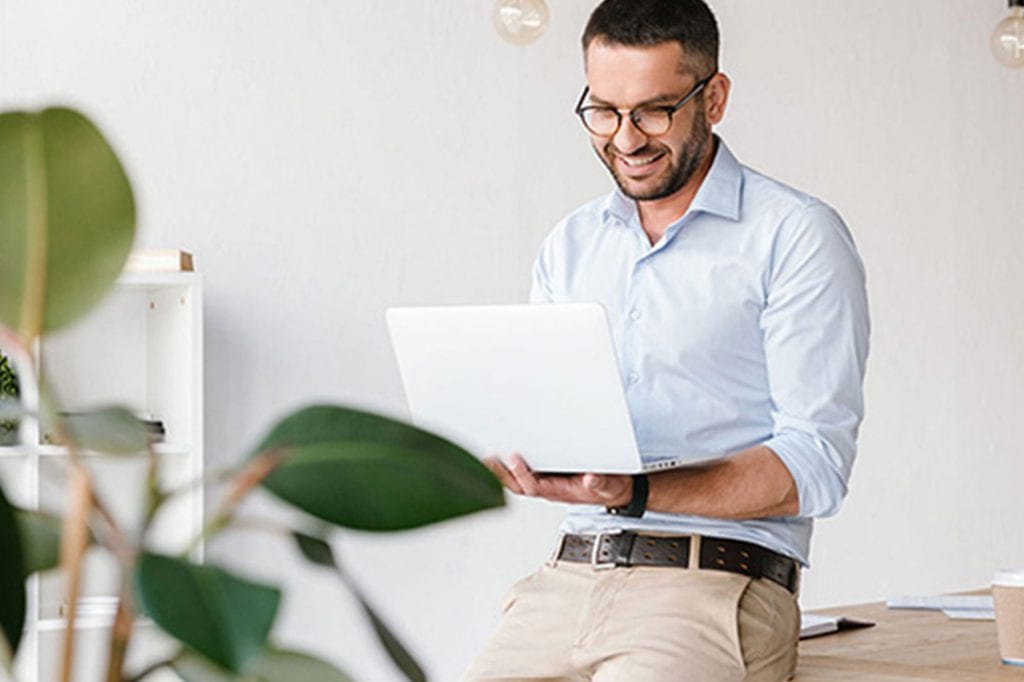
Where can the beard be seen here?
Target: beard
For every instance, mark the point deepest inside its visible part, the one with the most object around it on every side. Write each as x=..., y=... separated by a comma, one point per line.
x=686, y=161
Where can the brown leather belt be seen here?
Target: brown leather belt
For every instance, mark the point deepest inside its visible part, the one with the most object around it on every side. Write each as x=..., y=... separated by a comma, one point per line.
x=626, y=548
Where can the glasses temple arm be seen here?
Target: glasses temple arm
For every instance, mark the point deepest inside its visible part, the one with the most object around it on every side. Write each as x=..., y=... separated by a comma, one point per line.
x=583, y=98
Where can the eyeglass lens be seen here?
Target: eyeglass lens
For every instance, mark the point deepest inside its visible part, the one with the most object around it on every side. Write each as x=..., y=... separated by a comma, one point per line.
x=606, y=121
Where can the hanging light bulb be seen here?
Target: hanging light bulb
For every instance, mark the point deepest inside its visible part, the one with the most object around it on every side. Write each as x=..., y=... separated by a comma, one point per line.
x=1008, y=37
x=522, y=21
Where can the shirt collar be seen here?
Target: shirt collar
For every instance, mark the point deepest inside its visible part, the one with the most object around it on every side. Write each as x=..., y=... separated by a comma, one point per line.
x=719, y=194
x=620, y=207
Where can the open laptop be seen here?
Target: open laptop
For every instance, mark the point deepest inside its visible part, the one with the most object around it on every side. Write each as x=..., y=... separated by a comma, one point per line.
x=540, y=380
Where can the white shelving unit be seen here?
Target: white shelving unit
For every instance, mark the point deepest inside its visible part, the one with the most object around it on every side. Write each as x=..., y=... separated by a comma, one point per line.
x=141, y=348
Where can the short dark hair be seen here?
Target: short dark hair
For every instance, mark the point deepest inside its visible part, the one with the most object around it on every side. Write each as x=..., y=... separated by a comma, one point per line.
x=642, y=23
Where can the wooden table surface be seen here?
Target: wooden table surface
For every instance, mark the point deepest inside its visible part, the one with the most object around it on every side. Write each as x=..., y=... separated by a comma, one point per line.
x=904, y=645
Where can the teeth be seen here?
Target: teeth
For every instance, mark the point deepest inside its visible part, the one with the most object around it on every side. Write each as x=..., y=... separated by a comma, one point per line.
x=641, y=161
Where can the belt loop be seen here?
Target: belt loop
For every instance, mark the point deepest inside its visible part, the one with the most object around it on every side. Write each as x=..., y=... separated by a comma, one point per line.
x=694, y=552
x=553, y=559
x=624, y=551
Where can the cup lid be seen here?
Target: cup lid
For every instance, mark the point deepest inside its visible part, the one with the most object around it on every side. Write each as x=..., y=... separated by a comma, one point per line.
x=1009, y=577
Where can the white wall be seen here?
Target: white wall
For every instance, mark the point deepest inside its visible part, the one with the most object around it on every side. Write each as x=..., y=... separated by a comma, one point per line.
x=327, y=159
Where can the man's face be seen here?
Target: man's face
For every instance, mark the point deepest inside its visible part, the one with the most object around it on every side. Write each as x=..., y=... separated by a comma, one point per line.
x=645, y=167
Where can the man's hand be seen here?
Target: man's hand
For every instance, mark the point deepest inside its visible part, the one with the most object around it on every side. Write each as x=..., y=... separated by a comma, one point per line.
x=603, y=489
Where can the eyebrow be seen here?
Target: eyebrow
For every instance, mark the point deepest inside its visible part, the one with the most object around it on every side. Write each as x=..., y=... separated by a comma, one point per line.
x=660, y=99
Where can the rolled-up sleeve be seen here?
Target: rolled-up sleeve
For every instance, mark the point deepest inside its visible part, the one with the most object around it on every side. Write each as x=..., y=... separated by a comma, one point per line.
x=816, y=329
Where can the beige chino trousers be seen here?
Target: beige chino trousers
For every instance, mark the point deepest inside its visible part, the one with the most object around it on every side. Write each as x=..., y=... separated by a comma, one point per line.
x=572, y=622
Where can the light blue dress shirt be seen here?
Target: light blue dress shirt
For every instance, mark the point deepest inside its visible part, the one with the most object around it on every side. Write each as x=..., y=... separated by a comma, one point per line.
x=746, y=324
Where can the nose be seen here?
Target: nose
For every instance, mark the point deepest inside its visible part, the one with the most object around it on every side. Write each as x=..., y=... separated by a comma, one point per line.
x=628, y=138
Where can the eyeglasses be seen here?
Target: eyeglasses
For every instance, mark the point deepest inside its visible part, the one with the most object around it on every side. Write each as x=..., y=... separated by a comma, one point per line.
x=649, y=120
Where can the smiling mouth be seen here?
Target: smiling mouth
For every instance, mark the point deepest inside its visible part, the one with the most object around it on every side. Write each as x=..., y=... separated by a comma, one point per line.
x=640, y=161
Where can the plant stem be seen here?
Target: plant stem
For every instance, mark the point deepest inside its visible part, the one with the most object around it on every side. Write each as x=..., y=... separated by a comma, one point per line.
x=260, y=524
x=244, y=481
x=82, y=502
x=74, y=535
x=157, y=497
x=125, y=619
x=121, y=633
x=154, y=496
x=74, y=541
x=213, y=478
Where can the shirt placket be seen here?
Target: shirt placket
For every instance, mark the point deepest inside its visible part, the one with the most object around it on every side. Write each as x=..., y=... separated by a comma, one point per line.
x=631, y=319
x=635, y=319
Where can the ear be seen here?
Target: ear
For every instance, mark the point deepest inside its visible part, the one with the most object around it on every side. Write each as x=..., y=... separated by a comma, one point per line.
x=716, y=97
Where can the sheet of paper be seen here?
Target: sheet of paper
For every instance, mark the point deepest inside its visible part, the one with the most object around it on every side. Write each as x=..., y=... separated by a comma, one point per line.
x=811, y=624
x=970, y=614
x=942, y=602
x=814, y=625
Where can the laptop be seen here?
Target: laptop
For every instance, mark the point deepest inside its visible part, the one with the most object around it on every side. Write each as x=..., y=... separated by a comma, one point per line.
x=540, y=380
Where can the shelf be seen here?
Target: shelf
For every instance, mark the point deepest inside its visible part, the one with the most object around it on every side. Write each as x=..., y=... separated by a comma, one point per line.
x=156, y=280
x=84, y=622
x=141, y=348
x=162, y=449
x=14, y=451
x=60, y=624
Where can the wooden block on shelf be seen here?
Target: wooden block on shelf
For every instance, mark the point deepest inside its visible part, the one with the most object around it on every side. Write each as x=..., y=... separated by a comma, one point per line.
x=159, y=260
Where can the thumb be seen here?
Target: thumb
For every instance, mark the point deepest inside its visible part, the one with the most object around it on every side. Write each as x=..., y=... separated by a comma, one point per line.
x=599, y=485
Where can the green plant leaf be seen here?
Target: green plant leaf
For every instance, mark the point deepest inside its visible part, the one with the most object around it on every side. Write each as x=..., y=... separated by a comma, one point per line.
x=274, y=666
x=396, y=650
x=111, y=430
x=222, y=617
x=318, y=551
x=12, y=577
x=67, y=218
x=365, y=471
x=40, y=538
x=9, y=385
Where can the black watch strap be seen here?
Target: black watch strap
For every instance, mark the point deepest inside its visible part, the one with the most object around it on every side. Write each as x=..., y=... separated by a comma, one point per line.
x=638, y=504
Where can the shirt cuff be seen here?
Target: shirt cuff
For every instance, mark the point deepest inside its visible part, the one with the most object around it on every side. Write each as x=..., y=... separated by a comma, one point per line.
x=817, y=470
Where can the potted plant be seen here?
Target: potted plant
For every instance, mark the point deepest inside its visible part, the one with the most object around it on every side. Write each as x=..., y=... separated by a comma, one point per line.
x=8, y=391
x=67, y=221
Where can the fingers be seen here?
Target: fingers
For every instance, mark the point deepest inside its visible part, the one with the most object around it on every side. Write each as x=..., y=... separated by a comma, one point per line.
x=516, y=475
x=524, y=476
x=502, y=473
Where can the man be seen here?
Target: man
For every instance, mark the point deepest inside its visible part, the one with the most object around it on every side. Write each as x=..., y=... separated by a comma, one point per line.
x=739, y=314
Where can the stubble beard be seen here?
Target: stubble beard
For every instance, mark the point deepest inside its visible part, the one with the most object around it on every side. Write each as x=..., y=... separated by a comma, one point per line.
x=687, y=160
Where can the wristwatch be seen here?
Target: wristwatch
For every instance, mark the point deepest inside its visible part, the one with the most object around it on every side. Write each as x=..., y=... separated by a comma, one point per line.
x=638, y=504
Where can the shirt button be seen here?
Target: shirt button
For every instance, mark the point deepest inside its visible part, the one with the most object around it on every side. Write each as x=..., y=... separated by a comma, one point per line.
x=634, y=314
x=634, y=378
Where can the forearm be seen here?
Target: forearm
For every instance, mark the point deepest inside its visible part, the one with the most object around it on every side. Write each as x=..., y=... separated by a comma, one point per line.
x=751, y=484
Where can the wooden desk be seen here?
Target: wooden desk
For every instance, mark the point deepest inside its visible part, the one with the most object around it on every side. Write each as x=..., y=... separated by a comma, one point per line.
x=904, y=645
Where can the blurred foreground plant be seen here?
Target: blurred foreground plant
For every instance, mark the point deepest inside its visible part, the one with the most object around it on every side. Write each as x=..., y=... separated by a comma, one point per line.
x=67, y=221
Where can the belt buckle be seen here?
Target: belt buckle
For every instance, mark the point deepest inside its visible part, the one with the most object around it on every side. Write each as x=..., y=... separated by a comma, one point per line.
x=596, y=550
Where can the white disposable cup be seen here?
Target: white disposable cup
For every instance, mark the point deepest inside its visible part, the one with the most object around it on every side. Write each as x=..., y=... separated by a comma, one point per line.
x=1008, y=595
